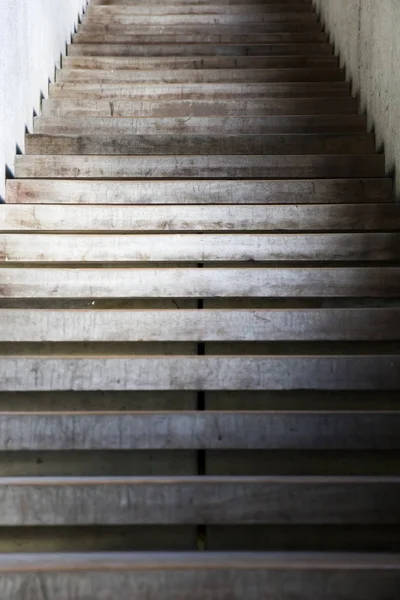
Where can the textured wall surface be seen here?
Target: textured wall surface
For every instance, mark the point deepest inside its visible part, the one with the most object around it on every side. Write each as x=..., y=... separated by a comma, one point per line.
x=366, y=34
x=33, y=33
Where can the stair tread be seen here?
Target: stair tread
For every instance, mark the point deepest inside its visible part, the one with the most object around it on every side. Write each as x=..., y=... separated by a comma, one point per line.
x=201, y=75
x=301, y=282
x=187, y=325
x=206, y=37
x=201, y=166
x=197, y=91
x=352, y=372
x=170, y=143
x=307, y=128
x=181, y=192
x=373, y=247
x=290, y=115
x=237, y=560
x=195, y=430
x=146, y=63
x=198, y=49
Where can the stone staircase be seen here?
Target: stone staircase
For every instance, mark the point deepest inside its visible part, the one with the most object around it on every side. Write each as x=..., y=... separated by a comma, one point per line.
x=199, y=319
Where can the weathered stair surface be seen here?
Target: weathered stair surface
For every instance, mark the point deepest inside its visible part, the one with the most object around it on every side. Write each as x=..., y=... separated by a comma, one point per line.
x=200, y=319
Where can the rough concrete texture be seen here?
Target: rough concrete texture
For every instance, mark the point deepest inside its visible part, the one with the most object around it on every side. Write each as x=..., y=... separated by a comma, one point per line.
x=366, y=34
x=33, y=33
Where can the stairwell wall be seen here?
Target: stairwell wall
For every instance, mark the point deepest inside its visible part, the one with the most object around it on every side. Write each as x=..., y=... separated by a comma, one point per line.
x=33, y=34
x=366, y=35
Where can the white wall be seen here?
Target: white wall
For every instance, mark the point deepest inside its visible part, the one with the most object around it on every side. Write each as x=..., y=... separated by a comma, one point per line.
x=366, y=34
x=33, y=33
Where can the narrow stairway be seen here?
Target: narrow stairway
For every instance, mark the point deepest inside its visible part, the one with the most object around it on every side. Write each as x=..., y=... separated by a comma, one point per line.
x=199, y=319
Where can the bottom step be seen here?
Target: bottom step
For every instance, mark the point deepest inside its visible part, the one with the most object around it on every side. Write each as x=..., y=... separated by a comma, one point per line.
x=199, y=576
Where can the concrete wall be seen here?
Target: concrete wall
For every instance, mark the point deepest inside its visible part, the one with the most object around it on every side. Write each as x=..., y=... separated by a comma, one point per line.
x=366, y=34
x=33, y=33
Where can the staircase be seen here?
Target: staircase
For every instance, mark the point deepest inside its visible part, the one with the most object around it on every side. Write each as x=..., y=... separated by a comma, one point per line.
x=200, y=322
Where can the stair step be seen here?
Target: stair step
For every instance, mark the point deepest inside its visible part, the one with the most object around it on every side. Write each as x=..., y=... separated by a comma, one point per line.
x=338, y=114
x=133, y=63
x=193, y=430
x=227, y=3
x=259, y=430
x=182, y=144
x=168, y=575
x=198, y=166
x=287, y=282
x=232, y=126
x=124, y=325
x=347, y=247
x=126, y=21
x=329, y=191
x=222, y=500
x=203, y=37
x=198, y=91
x=190, y=29
x=237, y=75
x=100, y=12
x=196, y=49
x=189, y=218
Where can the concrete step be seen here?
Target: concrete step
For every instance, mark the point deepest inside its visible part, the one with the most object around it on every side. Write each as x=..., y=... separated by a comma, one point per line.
x=200, y=37
x=236, y=75
x=302, y=126
x=197, y=91
x=193, y=49
x=343, y=430
x=186, y=217
x=329, y=110
x=145, y=63
x=182, y=144
x=225, y=192
x=53, y=248
x=125, y=21
x=211, y=282
x=165, y=575
x=224, y=500
x=198, y=166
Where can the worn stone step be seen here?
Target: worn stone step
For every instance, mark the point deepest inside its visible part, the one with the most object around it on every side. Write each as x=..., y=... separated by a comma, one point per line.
x=124, y=325
x=124, y=21
x=198, y=166
x=331, y=112
x=250, y=282
x=115, y=63
x=232, y=126
x=88, y=576
x=205, y=37
x=213, y=500
x=225, y=192
x=130, y=218
x=199, y=247
x=193, y=49
x=190, y=29
x=198, y=91
x=178, y=143
x=236, y=75
x=95, y=11
x=227, y=3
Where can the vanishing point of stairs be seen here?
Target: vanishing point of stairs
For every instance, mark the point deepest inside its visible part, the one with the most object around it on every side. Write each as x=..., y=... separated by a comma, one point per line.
x=200, y=325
